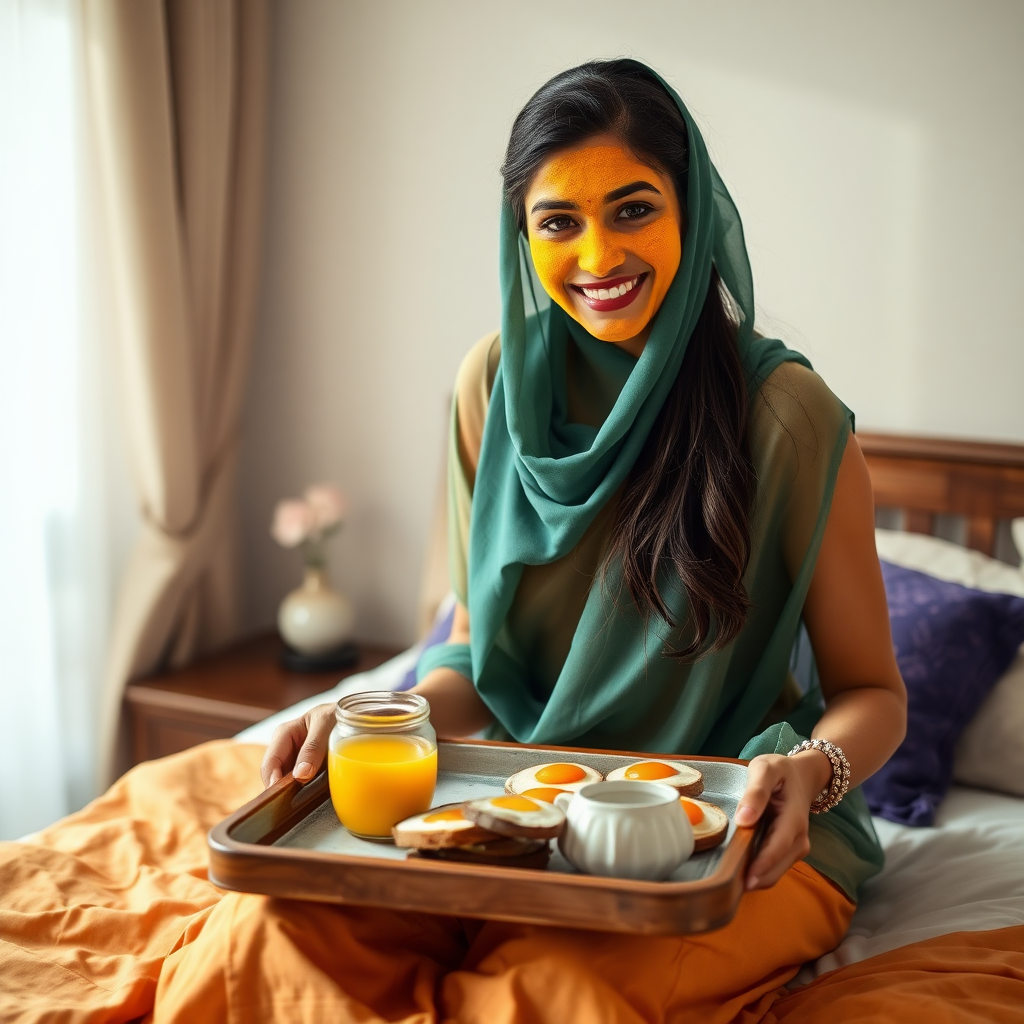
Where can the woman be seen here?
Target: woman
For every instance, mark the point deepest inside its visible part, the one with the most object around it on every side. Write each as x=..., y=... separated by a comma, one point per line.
x=646, y=500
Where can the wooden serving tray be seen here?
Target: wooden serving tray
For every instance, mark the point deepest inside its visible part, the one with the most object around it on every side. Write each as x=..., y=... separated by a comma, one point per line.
x=288, y=842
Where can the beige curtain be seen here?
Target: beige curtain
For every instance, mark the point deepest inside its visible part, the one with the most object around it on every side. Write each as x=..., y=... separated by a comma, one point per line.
x=177, y=97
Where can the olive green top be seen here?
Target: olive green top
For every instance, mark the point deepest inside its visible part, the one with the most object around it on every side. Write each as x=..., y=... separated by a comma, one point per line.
x=797, y=433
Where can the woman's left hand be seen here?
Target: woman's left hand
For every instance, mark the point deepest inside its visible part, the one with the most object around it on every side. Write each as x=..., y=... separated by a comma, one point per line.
x=788, y=785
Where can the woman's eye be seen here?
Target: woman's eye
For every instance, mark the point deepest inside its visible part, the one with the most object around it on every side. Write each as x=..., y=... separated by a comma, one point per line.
x=557, y=224
x=634, y=211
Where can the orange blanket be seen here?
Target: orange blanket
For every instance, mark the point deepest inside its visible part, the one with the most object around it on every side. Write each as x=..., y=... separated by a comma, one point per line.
x=108, y=916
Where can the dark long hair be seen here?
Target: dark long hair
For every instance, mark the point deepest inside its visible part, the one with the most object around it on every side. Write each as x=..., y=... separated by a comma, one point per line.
x=686, y=504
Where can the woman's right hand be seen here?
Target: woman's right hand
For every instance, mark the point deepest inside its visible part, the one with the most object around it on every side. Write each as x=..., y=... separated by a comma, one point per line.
x=301, y=743
x=455, y=710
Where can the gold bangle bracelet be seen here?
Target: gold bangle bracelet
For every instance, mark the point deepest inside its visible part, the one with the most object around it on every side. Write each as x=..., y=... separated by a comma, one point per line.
x=840, y=781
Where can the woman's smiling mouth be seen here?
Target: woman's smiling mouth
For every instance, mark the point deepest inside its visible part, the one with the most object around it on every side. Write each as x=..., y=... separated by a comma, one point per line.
x=608, y=296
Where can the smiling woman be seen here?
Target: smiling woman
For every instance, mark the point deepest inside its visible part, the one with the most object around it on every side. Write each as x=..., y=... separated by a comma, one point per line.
x=642, y=515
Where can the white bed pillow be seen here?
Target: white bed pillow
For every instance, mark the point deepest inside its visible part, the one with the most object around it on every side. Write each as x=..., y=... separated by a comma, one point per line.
x=990, y=753
x=948, y=561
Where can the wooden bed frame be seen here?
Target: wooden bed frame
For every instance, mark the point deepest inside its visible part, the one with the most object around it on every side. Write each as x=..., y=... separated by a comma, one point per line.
x=926, y=477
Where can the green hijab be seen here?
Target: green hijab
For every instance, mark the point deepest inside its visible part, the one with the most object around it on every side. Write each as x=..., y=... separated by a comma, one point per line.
x=541, y=480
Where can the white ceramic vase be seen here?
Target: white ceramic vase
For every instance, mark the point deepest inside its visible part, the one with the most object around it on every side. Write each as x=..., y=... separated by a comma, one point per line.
x=314, y=618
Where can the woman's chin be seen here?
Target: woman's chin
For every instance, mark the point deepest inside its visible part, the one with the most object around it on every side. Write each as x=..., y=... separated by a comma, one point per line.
x=606, y=327
x=614, y=331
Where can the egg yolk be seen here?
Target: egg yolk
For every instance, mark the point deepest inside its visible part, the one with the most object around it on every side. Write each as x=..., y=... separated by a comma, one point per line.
x=650, y=770
x=693, y=811
x=547, y=794
x=559, y=774
x=452, y=814
x=515, y=803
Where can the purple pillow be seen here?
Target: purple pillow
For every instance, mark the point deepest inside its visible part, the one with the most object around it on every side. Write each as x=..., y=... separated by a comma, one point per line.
x=438, y=634
x=952, y=644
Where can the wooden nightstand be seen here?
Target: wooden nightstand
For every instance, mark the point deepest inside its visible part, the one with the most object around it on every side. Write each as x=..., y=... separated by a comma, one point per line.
x=220, y=695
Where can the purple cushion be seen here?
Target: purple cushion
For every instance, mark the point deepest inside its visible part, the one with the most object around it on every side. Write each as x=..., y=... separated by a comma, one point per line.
x=952, y=644
x=440, y=632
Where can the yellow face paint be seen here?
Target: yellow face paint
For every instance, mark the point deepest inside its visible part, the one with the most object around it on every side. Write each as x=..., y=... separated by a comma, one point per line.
x=605, y=233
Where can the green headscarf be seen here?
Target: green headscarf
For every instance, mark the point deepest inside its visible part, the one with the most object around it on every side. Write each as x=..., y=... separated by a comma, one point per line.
x=542, y=479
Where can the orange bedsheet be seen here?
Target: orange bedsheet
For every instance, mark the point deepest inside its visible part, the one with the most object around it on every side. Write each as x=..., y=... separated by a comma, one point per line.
x=953, y=979
x=108, y=916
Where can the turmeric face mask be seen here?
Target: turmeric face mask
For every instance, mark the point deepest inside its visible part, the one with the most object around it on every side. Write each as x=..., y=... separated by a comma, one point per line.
x=605, y=233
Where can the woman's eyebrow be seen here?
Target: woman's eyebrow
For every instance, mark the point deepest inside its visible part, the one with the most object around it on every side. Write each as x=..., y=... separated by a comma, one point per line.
x=553, y=204
x=619, y=193
x=626, y=190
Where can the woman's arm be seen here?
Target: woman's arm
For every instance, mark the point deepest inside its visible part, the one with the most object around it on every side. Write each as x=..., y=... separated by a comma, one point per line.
x=455, y=707
x=866, y=704
x=455, y=710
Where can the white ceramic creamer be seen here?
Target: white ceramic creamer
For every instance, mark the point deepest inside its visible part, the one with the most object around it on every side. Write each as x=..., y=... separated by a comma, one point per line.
x=625, y=829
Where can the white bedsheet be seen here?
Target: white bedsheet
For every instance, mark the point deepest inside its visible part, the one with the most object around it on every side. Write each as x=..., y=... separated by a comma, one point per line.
x=966, y=873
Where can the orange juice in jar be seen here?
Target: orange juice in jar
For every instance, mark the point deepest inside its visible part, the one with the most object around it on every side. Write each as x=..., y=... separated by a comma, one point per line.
x=382, y=761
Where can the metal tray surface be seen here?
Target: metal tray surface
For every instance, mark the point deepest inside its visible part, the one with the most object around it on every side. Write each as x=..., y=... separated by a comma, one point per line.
x=289, y=843
x=470, y=772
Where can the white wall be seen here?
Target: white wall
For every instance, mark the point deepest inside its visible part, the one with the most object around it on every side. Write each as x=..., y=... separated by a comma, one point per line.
x=875, y=150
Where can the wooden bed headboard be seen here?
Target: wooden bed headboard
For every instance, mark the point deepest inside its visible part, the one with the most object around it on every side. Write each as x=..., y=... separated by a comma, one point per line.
x=926, y=477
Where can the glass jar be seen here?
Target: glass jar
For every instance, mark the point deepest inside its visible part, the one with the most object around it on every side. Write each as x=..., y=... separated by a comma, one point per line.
x=381, y=761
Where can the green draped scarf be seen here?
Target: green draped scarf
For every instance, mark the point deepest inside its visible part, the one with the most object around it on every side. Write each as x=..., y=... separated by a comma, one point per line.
x=542, y=479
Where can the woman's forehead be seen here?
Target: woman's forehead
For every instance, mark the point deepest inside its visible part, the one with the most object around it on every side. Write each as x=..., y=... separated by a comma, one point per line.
x=586, y=175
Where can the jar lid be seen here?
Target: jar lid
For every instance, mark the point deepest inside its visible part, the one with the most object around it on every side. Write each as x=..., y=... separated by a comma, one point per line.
x=382, y=711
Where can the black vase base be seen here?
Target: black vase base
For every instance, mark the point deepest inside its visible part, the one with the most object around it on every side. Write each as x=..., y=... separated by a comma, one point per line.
x=341, y=657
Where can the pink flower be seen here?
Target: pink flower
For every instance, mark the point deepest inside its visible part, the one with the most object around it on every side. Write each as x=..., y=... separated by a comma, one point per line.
x=293, y=523
x=328, y=506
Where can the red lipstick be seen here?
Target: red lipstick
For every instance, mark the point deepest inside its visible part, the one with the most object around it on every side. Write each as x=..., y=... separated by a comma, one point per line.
x=610, y=304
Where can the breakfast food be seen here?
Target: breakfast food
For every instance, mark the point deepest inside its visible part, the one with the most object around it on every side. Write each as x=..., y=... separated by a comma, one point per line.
x=515, y=815
x=505, y=852
x=710, y=823
x=682, y=777
x=506, y=831
x=492, y=819
x=502, y=846
x=439, y=828
x=561, y=775
x=545, y=793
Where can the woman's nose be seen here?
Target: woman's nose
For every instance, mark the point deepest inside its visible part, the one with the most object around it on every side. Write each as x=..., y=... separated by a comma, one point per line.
x=599, y=252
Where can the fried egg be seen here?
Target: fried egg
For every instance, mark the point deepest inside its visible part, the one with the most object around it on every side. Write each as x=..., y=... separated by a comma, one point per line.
x=710, y=823
x=515, y=815
x=563, y=775
x=545, y=793
x=438, y=828
x=694, y=811
x=681, y=776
